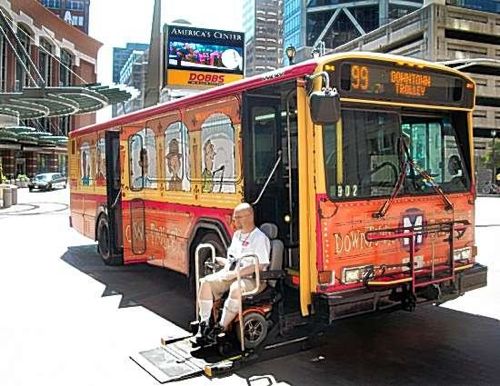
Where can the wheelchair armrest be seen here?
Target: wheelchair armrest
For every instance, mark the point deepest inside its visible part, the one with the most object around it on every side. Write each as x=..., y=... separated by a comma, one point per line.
x=213, y=266
x=272, y=275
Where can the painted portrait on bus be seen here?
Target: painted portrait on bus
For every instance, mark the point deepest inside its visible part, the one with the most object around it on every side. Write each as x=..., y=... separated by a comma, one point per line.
x=85, y=164
x=177, y=157
x=143, y=170
x=100, y=178
x=218, y=159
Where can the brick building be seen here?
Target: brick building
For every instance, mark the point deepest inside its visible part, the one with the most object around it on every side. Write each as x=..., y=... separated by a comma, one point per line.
x=47, y=87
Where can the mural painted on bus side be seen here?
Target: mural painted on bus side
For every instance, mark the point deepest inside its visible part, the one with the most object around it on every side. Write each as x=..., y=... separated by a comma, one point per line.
x=218, y=155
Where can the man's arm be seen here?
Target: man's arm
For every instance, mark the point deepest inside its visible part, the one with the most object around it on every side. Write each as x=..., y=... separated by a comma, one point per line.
x=222, y=261
x=246, y=271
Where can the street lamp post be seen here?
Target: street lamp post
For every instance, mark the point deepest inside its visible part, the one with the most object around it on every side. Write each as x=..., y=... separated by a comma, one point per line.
x=493, y=134
x=290, y=53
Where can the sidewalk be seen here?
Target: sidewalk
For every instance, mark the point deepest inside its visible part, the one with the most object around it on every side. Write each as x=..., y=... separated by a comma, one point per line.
x=31, y=204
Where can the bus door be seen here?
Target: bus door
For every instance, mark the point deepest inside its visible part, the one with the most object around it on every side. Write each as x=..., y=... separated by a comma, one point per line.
x=113, y=187
x=270, y=134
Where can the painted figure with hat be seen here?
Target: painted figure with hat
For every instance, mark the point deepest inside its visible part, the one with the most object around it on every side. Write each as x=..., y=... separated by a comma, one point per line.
x=207, y=174
x=174, y=165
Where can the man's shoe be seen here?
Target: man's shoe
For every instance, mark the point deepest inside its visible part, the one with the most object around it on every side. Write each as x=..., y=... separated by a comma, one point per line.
x=203, y=332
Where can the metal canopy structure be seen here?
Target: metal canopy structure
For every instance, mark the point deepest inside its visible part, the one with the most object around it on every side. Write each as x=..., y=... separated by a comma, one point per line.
x=48, y=102
x=26, y=135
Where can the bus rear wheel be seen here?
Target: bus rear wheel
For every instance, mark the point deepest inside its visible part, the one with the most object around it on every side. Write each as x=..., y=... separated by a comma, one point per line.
x=104, y=243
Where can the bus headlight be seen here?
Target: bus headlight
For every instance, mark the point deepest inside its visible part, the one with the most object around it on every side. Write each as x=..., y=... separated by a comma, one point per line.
x=355, y=274
x=462, y=253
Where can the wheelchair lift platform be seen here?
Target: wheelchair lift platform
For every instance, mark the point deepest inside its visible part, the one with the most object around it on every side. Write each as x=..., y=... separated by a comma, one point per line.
x=176, y=359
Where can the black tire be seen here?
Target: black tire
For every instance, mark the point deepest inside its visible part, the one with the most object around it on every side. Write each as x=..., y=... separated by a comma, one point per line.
x=49, y=187
x=255, y=330
x=31, y=189
x=104, y=243
x=210, y=238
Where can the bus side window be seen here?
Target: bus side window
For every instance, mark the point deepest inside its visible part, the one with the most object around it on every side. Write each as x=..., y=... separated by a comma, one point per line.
x=264, y=143
x=177, y=168
x=218, y=155
x=142, y=160
x=85, y=165
x=135, y=145
x=100, y=162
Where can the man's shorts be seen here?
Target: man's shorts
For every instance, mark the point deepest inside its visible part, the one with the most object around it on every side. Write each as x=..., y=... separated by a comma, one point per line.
x=220, y=286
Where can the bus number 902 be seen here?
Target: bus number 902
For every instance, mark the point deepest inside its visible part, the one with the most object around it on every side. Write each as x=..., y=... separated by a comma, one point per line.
x=346, y=191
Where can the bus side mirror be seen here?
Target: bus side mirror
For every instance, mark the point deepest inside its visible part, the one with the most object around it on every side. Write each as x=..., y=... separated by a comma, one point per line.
x=325, y=107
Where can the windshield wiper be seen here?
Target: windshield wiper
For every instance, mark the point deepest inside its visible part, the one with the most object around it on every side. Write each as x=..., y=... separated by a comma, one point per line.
x=428, y=178
x=399, y=183
x=405, y=161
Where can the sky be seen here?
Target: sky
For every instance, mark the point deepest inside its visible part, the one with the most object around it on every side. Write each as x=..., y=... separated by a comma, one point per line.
x=116, y=22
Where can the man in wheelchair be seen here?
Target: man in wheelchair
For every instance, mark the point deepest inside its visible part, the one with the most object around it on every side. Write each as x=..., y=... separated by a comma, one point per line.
x=247, y=240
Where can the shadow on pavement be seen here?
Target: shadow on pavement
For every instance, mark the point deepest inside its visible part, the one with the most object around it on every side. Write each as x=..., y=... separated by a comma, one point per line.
x=431, y=346
x=161, y=291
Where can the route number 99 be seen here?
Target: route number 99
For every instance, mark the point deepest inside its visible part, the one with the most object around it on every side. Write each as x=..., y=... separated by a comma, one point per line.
x=360, y=77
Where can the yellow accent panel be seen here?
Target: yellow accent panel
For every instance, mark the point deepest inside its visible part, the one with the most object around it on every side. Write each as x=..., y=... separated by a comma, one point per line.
x=307, y=213
x=305, y=294
x=464, y=267
x=392, y=282
x=413, y=105
x=340, y=153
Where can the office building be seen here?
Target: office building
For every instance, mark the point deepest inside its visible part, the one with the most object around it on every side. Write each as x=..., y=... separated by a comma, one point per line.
x=122, y=55
x=326, y=24
x=263, y=27
x=74, y=12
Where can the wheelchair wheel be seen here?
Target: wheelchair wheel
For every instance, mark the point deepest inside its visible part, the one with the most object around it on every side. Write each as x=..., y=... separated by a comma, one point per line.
x=255, y=328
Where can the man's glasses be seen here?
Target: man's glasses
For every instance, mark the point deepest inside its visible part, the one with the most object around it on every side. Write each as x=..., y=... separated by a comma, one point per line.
x=239, y=217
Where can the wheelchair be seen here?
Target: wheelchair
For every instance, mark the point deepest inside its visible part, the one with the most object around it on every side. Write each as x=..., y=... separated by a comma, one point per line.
x=260, y=308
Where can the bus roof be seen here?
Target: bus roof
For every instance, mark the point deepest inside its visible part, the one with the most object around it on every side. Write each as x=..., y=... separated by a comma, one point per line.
x=279, y=75
x=286, y=73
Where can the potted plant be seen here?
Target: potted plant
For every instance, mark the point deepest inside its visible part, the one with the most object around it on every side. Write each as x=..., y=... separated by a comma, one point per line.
x=22, y=181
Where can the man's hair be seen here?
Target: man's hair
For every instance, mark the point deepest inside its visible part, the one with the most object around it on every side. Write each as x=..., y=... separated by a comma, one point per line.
x=243, y=206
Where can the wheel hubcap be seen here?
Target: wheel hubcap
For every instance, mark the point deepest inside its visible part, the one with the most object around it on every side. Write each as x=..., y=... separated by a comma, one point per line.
x=253, y=330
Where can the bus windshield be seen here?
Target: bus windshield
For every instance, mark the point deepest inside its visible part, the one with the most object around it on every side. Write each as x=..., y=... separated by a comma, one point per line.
x=363, y=157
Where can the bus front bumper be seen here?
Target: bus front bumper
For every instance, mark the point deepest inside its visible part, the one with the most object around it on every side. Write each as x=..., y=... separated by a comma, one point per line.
x=343, y=304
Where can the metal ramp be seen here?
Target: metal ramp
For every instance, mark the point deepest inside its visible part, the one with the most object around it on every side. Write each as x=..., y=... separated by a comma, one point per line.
x=171, y=362
x=176, y=359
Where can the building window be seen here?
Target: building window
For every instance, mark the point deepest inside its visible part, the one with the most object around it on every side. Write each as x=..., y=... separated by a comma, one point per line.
x=65, y=68
x=22, y=75
x=3, y=60
x=45, y=61
x=75, y=5
x=52, y=3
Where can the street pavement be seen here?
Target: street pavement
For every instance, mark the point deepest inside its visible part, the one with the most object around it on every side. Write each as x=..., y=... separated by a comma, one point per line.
x=67, y=319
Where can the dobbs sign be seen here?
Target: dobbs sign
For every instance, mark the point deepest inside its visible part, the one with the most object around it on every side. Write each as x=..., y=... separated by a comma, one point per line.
x=199, y=57
x=199, y=78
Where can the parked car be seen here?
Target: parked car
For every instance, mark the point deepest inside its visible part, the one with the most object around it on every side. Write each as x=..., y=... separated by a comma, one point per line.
x=47, y=181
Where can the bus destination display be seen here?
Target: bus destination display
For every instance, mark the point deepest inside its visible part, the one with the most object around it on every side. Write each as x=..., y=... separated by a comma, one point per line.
x=388, y=82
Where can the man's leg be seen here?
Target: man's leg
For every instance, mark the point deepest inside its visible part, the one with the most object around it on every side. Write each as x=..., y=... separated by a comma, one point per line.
x=206, y=301
x=231, y=305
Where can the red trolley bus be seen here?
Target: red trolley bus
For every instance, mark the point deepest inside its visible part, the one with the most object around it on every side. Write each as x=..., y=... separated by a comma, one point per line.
x=375, y=209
